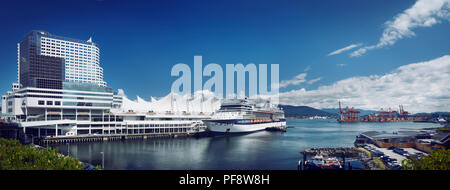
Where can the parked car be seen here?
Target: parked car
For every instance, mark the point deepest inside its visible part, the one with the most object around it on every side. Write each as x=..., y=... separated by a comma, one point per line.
x=400, y=151
x=386, y=158
x=397, y=167
x=391, y=148
x=378, y=153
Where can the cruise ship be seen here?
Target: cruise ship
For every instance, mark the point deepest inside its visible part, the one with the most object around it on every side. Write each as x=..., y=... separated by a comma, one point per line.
x=244, y=116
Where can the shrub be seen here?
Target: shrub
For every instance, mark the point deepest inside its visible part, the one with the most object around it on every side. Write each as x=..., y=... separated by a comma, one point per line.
x=436, y=160
x=15, y=156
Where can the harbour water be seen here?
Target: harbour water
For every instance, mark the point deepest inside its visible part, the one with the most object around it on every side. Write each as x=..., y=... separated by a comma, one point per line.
x=260, y=150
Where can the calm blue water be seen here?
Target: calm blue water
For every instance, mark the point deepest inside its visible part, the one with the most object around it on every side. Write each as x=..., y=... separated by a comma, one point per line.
x=261, y=150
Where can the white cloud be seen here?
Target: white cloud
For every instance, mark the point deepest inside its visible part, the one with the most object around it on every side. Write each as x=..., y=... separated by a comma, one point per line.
x=344, y=49
x=424, y=13
x=314, y=80
x=301, y=78
x=420, y=87
x=341, y=65
x=307, y=68
x=297, y=80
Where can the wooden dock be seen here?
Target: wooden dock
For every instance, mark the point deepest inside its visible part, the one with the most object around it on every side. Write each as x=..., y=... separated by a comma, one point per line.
x=109, y=137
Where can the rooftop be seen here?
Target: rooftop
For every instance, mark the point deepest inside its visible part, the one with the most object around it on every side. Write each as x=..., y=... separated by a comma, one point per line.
x=47, y=34
x=376, y=135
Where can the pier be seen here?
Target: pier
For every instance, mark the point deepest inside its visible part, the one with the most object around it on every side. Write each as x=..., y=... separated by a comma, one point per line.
x=109, y=137
x=346, y=154
x=346, y=151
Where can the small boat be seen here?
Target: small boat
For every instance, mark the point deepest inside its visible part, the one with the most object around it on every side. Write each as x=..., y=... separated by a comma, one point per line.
x=323, y=162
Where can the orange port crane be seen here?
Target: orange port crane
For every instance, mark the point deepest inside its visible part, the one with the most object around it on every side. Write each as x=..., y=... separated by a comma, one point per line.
x=389, y=115
x=348, y=114
x=403, y=114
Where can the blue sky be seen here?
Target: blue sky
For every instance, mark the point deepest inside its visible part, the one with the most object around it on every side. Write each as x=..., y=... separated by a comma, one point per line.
x=140, y=41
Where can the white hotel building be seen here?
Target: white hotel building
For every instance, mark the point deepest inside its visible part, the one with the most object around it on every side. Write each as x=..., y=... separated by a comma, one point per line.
x=82, y=58
x=60, y=92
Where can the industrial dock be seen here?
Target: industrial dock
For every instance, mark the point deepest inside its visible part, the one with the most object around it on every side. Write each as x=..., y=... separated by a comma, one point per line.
x=350, y=115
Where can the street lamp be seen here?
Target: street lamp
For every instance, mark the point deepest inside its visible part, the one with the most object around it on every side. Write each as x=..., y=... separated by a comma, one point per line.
x=68, y=150
x=103, y=159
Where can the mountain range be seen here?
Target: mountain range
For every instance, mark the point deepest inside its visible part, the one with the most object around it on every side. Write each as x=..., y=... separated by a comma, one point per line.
x=304, y=111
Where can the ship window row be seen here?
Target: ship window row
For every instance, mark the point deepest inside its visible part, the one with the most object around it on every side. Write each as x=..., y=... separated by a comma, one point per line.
x=238, y=105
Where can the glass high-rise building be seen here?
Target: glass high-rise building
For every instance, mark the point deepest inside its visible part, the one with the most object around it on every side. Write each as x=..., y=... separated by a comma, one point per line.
x=61, y=92
x=35, y=69
x=46, y=61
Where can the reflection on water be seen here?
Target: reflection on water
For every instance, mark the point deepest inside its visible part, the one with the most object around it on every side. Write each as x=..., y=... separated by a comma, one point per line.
x=260, y=150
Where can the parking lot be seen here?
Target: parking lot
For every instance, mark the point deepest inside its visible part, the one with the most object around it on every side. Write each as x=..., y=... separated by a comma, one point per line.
x=414, y=151
x=390, y=153
x=392, y=157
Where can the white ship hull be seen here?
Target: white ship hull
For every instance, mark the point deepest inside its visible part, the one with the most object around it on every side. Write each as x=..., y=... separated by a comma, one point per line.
x=217, y=127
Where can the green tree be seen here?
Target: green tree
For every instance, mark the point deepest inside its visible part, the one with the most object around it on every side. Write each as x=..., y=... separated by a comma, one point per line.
x=15, y=156
x=436, y=160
